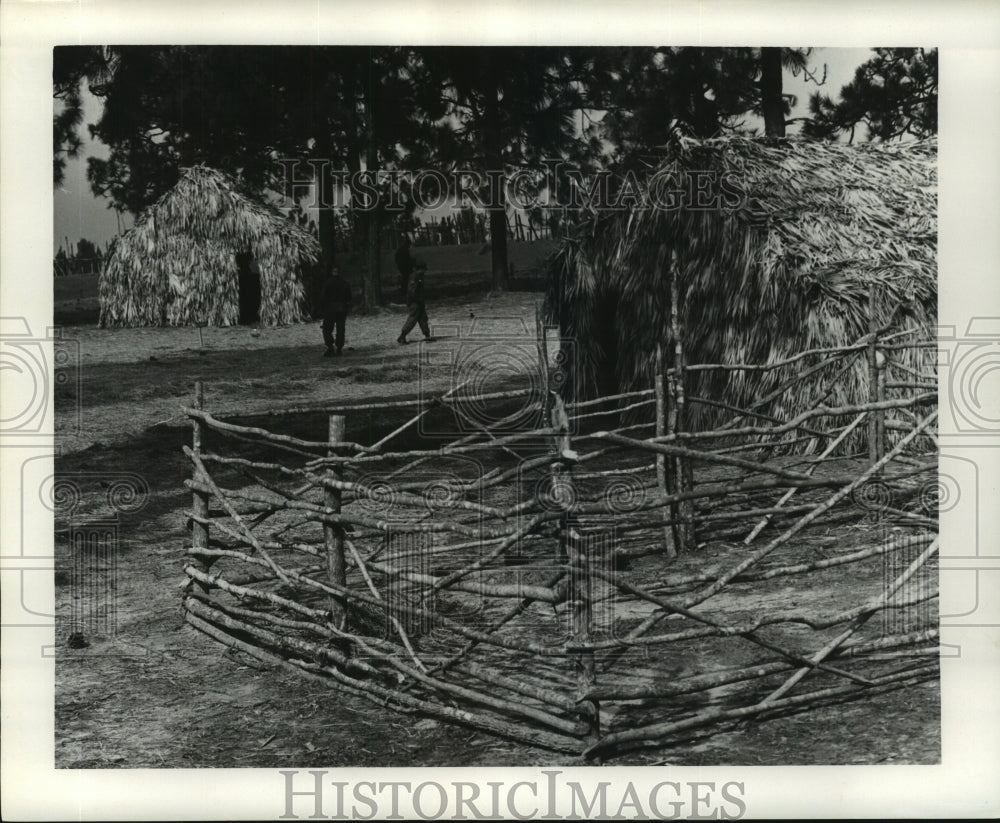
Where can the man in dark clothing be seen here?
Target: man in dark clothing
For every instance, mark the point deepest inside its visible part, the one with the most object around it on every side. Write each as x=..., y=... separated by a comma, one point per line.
x=415, y=303
x=405, y=264
x=335, y=304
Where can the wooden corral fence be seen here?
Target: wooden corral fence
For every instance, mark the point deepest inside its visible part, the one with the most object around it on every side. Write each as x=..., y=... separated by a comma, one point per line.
x=589, y=578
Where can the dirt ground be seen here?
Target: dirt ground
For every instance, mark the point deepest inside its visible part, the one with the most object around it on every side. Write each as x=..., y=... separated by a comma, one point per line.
x=121, y=382
x=160, y=694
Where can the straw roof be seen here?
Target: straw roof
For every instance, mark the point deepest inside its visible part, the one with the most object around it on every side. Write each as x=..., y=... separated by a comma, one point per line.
x=787, y=268
x=178, y=266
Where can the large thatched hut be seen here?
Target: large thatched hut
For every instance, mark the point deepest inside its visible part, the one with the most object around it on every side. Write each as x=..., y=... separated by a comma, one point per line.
x=775, y=245
x=206, y=254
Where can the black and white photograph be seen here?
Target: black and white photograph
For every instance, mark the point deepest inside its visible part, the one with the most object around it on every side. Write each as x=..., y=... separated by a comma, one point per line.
x=420, y=403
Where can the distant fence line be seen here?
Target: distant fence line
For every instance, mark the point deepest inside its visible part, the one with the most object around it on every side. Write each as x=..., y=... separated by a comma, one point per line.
x=455, y=231
x=76, y=266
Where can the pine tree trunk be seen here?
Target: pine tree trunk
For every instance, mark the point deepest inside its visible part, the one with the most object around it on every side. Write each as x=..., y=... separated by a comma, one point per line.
x=498, y=215
x=373, y=270
x=498, y=240
x=327, y=226
x=772, y=102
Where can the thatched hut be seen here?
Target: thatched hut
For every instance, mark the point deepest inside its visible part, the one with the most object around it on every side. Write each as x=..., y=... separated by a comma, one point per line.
x=778, y=258
x=201, y=254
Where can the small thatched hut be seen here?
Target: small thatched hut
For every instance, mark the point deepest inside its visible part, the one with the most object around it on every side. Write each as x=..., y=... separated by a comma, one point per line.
x=774, y=256
x=201, y=255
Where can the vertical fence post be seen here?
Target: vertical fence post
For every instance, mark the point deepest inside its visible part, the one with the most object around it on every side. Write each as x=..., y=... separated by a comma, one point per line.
x=672, y=479
x=333, y=534
x=684, y=477
x=661, y=460
x=543, y=359
x=575, y=549
x=880, y=444
x=200, y=499
x=872, y=377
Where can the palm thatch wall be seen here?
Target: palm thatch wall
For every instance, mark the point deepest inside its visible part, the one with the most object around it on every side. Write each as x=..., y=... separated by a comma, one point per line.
x=786, y=269
x=178, y=264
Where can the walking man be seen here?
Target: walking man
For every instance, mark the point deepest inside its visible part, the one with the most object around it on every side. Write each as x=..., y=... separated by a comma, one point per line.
x=405, y=263
x=415, y=303
x=335, y=305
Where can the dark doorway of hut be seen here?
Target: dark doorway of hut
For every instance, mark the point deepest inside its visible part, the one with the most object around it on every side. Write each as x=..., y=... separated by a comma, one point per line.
x=249, y=286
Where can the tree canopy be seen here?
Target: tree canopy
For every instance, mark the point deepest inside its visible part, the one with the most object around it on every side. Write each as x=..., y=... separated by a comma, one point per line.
x=362, y=110
x=892, y=95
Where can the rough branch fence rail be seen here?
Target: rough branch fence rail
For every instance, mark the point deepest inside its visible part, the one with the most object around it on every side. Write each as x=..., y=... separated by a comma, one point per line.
x=599, y=580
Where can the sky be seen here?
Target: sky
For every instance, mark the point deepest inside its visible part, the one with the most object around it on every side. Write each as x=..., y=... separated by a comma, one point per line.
x=77, y=213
